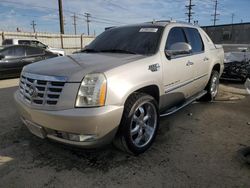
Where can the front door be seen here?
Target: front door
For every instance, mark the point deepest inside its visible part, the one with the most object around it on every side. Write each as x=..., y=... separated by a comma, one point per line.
x=177, y=71
x=200, y=58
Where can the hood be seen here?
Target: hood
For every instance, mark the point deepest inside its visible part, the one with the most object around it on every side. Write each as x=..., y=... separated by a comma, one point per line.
x=55, y=49
x=76, y=66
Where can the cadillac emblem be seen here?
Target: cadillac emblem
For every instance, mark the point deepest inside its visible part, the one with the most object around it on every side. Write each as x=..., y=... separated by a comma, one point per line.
x=33, y=92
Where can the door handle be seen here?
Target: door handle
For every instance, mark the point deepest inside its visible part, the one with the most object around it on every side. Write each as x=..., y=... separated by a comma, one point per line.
x=205, y=59
x=189, y=63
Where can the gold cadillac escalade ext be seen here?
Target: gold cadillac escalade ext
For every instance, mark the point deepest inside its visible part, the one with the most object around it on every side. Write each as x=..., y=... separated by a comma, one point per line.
x=118, y=87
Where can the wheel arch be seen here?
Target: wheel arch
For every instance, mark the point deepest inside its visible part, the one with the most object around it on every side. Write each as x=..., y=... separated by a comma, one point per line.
x=216, y=67
x=152, y=90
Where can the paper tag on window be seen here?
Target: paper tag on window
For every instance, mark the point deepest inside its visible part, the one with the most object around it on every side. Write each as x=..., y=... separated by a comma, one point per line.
x=149, y=30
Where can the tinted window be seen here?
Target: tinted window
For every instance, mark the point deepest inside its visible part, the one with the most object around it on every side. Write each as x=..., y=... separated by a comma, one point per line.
x=15, y=51
x=24, y=42
x=175, y=35
x=136, y=39
x=34, y=51
x=194, y=39
x=6, y=51
x=19, y=51
x=7, y=42
x=39, y=44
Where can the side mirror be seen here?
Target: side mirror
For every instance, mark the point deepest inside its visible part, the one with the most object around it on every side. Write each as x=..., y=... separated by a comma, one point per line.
x=179, y=48
x=2, y=56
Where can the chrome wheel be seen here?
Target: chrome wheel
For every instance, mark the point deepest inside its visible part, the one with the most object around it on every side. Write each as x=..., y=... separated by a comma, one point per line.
x=143, y=124
x=214, y=86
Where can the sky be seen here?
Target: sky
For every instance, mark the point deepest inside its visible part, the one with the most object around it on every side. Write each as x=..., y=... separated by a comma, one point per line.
x=107, y=13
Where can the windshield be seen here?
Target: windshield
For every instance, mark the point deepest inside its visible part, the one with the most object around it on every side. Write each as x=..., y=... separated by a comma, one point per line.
x=130, y=39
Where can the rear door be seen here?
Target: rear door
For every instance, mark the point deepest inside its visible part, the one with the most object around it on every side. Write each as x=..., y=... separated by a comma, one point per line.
x=12, y=64
x=177, y=71
x=199, y=58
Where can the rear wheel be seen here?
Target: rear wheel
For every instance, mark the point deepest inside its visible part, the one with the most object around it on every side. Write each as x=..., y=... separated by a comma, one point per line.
x=212, y=87
x=139, y=124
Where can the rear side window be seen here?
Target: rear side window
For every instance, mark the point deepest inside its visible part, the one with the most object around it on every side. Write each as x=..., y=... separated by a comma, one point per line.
x=7, y=42
x=24, y=42
x=175, y=35
x=14, y=51
x=7, y=51
x=34, y=51
x=194, y=39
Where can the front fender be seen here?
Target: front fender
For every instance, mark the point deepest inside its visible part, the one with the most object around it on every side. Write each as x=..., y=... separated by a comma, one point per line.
x=124, y=80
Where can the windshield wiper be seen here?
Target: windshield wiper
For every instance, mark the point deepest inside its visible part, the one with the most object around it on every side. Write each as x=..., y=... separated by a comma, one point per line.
x=118, y=51
x=89, y=50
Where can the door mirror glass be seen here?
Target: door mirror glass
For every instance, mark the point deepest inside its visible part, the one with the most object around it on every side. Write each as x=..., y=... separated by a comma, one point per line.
x=178, y=48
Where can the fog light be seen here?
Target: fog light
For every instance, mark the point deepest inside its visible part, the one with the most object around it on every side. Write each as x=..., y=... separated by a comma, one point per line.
x=81, y=138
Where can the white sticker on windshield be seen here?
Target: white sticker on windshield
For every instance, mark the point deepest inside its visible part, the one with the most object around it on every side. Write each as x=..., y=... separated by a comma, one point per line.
x=149, y=30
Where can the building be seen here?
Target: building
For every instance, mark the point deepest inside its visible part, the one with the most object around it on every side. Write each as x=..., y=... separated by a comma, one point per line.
x=230, y=35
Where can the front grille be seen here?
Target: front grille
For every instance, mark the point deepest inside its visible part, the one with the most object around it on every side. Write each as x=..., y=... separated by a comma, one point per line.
x=36, y=90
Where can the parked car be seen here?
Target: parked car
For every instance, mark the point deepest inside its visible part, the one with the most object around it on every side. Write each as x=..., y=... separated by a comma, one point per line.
x=14, y=58
x=237, y=66
x=32, y=42
x=238, y=71
x=120, y=85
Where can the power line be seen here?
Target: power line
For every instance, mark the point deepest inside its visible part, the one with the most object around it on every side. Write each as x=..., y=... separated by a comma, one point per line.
x=108, y=20
x=57, y=9
x=189, y=8
x=101, y=22
x=33, y=25
x=87, y=15
x=215, y=13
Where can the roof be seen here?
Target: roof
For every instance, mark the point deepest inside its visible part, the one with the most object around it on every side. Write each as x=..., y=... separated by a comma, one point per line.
x=157, y=23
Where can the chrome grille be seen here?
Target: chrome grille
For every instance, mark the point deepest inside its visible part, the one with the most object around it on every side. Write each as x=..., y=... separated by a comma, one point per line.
x=41, y=90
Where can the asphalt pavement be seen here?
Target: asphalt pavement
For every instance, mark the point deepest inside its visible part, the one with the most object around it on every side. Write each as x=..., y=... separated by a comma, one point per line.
x=195, y=147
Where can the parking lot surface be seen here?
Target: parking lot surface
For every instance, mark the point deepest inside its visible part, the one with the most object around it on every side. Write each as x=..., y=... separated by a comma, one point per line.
x=195, y=147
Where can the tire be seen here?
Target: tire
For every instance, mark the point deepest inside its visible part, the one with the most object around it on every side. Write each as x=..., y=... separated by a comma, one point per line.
x=212, y=87
x=139, y=124
x=243, y=80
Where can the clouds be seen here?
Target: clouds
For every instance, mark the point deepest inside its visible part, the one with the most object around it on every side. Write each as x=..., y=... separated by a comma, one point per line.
x=105, y=13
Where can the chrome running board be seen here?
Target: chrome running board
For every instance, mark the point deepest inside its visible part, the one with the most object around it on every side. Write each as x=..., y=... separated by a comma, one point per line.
x=189, y=101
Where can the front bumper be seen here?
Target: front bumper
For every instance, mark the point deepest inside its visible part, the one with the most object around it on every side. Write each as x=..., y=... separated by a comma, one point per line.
x=102, y=122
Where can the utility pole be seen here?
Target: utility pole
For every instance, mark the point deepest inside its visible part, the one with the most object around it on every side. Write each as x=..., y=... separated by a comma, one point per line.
x=33, y=26
x=215, y=13
x=233, y=18
x=74, y=22
x=87, y=15
x=189, y=8
x=61, y=16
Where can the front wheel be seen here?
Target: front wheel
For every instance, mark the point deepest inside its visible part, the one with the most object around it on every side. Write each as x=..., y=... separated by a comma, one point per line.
x=139, y=124
x=212, y=87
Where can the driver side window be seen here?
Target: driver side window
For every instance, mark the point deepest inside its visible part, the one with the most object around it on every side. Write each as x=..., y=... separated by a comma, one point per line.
x=176, y=34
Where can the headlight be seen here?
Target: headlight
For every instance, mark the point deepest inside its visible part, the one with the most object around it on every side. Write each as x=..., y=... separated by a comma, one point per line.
x=92, y=91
